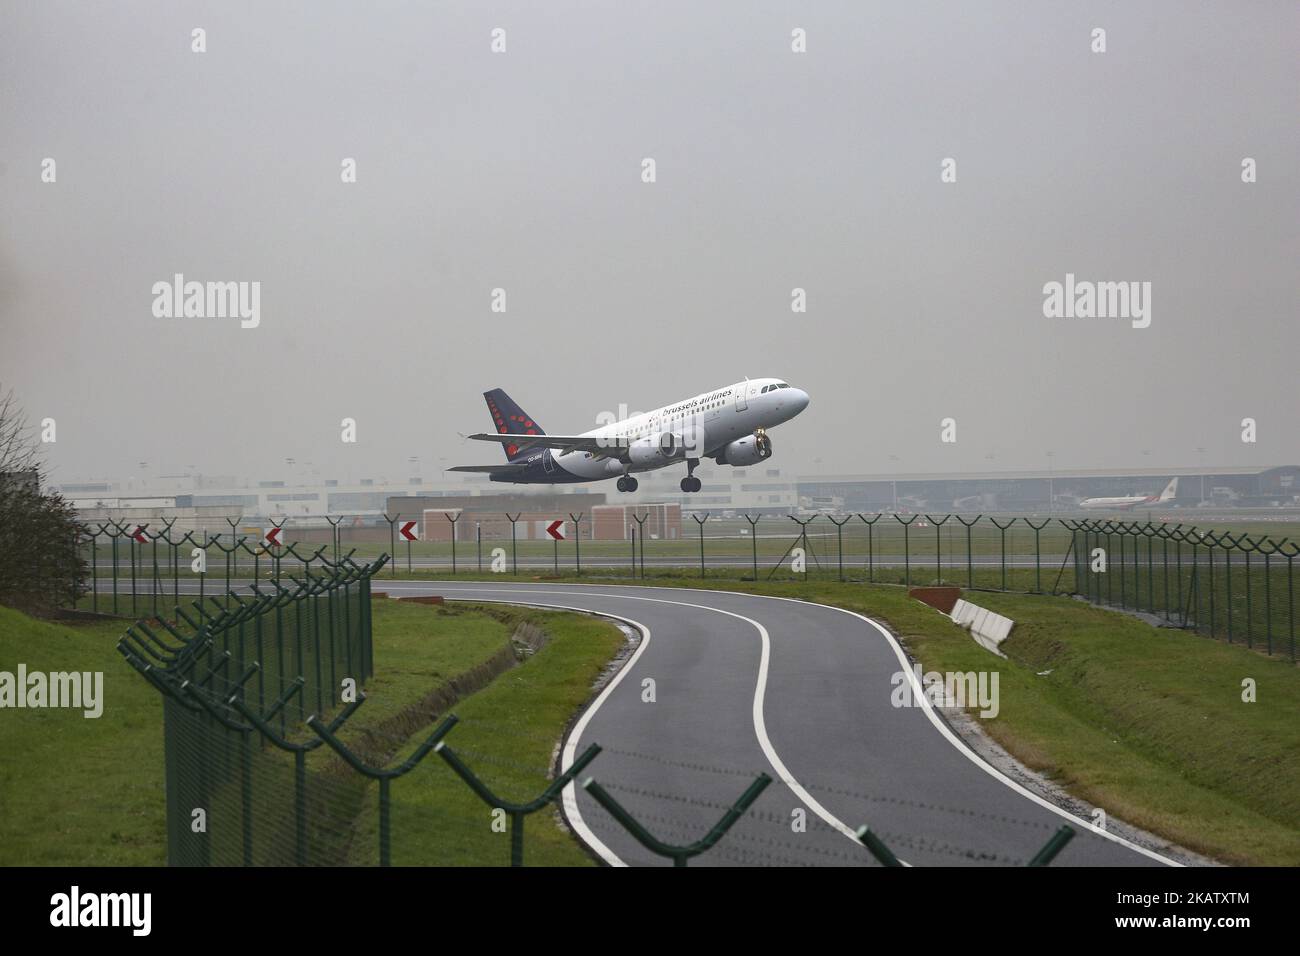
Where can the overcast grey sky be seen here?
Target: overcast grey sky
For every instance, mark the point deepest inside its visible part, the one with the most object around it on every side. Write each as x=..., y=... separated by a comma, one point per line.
x=775, y=170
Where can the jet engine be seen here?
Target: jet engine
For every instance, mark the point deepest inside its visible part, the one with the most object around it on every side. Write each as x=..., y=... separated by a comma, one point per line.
x=749, y=450
x=657, y=450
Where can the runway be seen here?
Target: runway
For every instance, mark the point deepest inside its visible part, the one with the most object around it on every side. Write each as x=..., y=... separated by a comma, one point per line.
x=743, y=684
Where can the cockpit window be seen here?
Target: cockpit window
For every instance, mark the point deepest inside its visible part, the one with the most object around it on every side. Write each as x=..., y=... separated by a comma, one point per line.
x=782, y=385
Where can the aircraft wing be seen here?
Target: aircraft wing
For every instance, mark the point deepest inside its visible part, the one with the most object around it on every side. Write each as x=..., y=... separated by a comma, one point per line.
x=492, y=469
x=591, y=443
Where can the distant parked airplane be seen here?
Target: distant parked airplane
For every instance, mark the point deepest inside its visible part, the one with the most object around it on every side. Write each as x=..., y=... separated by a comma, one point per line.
x=1131, y=501
x=728, y=425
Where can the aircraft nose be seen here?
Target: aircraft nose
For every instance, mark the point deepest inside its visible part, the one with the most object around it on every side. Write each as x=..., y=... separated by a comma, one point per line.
x=799, y=399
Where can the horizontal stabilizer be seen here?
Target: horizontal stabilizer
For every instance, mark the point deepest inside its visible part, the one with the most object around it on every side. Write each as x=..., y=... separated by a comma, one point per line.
x=512, y=469
x=603, y=445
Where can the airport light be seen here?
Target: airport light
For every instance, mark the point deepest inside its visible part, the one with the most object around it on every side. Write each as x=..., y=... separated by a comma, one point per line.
x=1051, y=491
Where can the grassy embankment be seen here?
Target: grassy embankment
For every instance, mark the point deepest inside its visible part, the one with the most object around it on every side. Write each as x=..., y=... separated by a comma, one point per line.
x=78, y=791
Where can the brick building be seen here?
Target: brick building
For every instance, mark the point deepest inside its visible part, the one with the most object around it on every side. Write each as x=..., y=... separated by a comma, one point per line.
x=616, y=522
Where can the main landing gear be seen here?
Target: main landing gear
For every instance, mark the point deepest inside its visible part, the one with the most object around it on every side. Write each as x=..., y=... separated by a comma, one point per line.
x=626, y=483
x=690, y=482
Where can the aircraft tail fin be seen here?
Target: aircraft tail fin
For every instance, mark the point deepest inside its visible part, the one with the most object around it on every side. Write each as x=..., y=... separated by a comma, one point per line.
x=509, y=419
x=1170, y=491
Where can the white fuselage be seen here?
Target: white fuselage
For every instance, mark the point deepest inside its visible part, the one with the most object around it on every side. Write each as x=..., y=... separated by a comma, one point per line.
x=1114, y=504
x=707, y=422
x=1131, y=501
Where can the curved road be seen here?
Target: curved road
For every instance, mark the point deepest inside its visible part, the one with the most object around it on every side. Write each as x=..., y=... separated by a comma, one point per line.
x=744, y=684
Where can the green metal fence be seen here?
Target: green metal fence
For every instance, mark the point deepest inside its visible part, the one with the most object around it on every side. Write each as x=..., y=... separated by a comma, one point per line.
x=272, y=655
x=1233, y=586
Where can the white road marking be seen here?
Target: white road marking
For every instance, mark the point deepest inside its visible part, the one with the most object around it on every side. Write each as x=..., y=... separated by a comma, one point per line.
x=939, y=725
x=760, y=692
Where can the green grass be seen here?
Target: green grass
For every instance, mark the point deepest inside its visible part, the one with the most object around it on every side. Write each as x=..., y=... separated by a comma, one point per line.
x=507, y=736
x=77, y=791
x=1148, y=724
x=418, y=649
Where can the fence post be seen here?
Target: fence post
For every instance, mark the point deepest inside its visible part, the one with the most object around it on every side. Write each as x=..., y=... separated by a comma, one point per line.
x=700, y=524
x=753, y=540
x=970, y=564
x=938, y=547
x=392, y=538
x=1054, y=846
x=871, y=549
x=1166, y=534
x=1227, y=574
x=230, y=554
x=877, y=847
x=803, y=538
x=1072, y=550
x=640, y=523
x=139, y=530
x=1290, y=596
x=577, y=540
x=514, y=543
x=334, y=534
x=839, y=537
x=1111, y=529
x=1038, y=553
x=1121, y=529
x=385, y=777
x=1268, y=589
x=907, y=548
x=1268, y=586
x=1247, y=548
x=453, y=537
x=1209, y=552
x=1003, y=530
x=116, y=535
x=94, y=567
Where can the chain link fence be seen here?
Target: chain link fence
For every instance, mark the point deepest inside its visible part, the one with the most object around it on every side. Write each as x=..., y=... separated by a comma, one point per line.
x=1233, y=586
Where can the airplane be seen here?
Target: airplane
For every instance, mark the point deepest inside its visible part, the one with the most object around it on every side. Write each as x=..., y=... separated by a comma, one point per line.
x=728, y=424
x=1132, y=501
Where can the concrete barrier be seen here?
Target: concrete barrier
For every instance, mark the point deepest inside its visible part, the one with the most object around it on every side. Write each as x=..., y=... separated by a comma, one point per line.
x=988, y=629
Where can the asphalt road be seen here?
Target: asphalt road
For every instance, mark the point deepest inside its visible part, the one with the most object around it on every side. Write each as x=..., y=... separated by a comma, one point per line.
x=744, y=684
